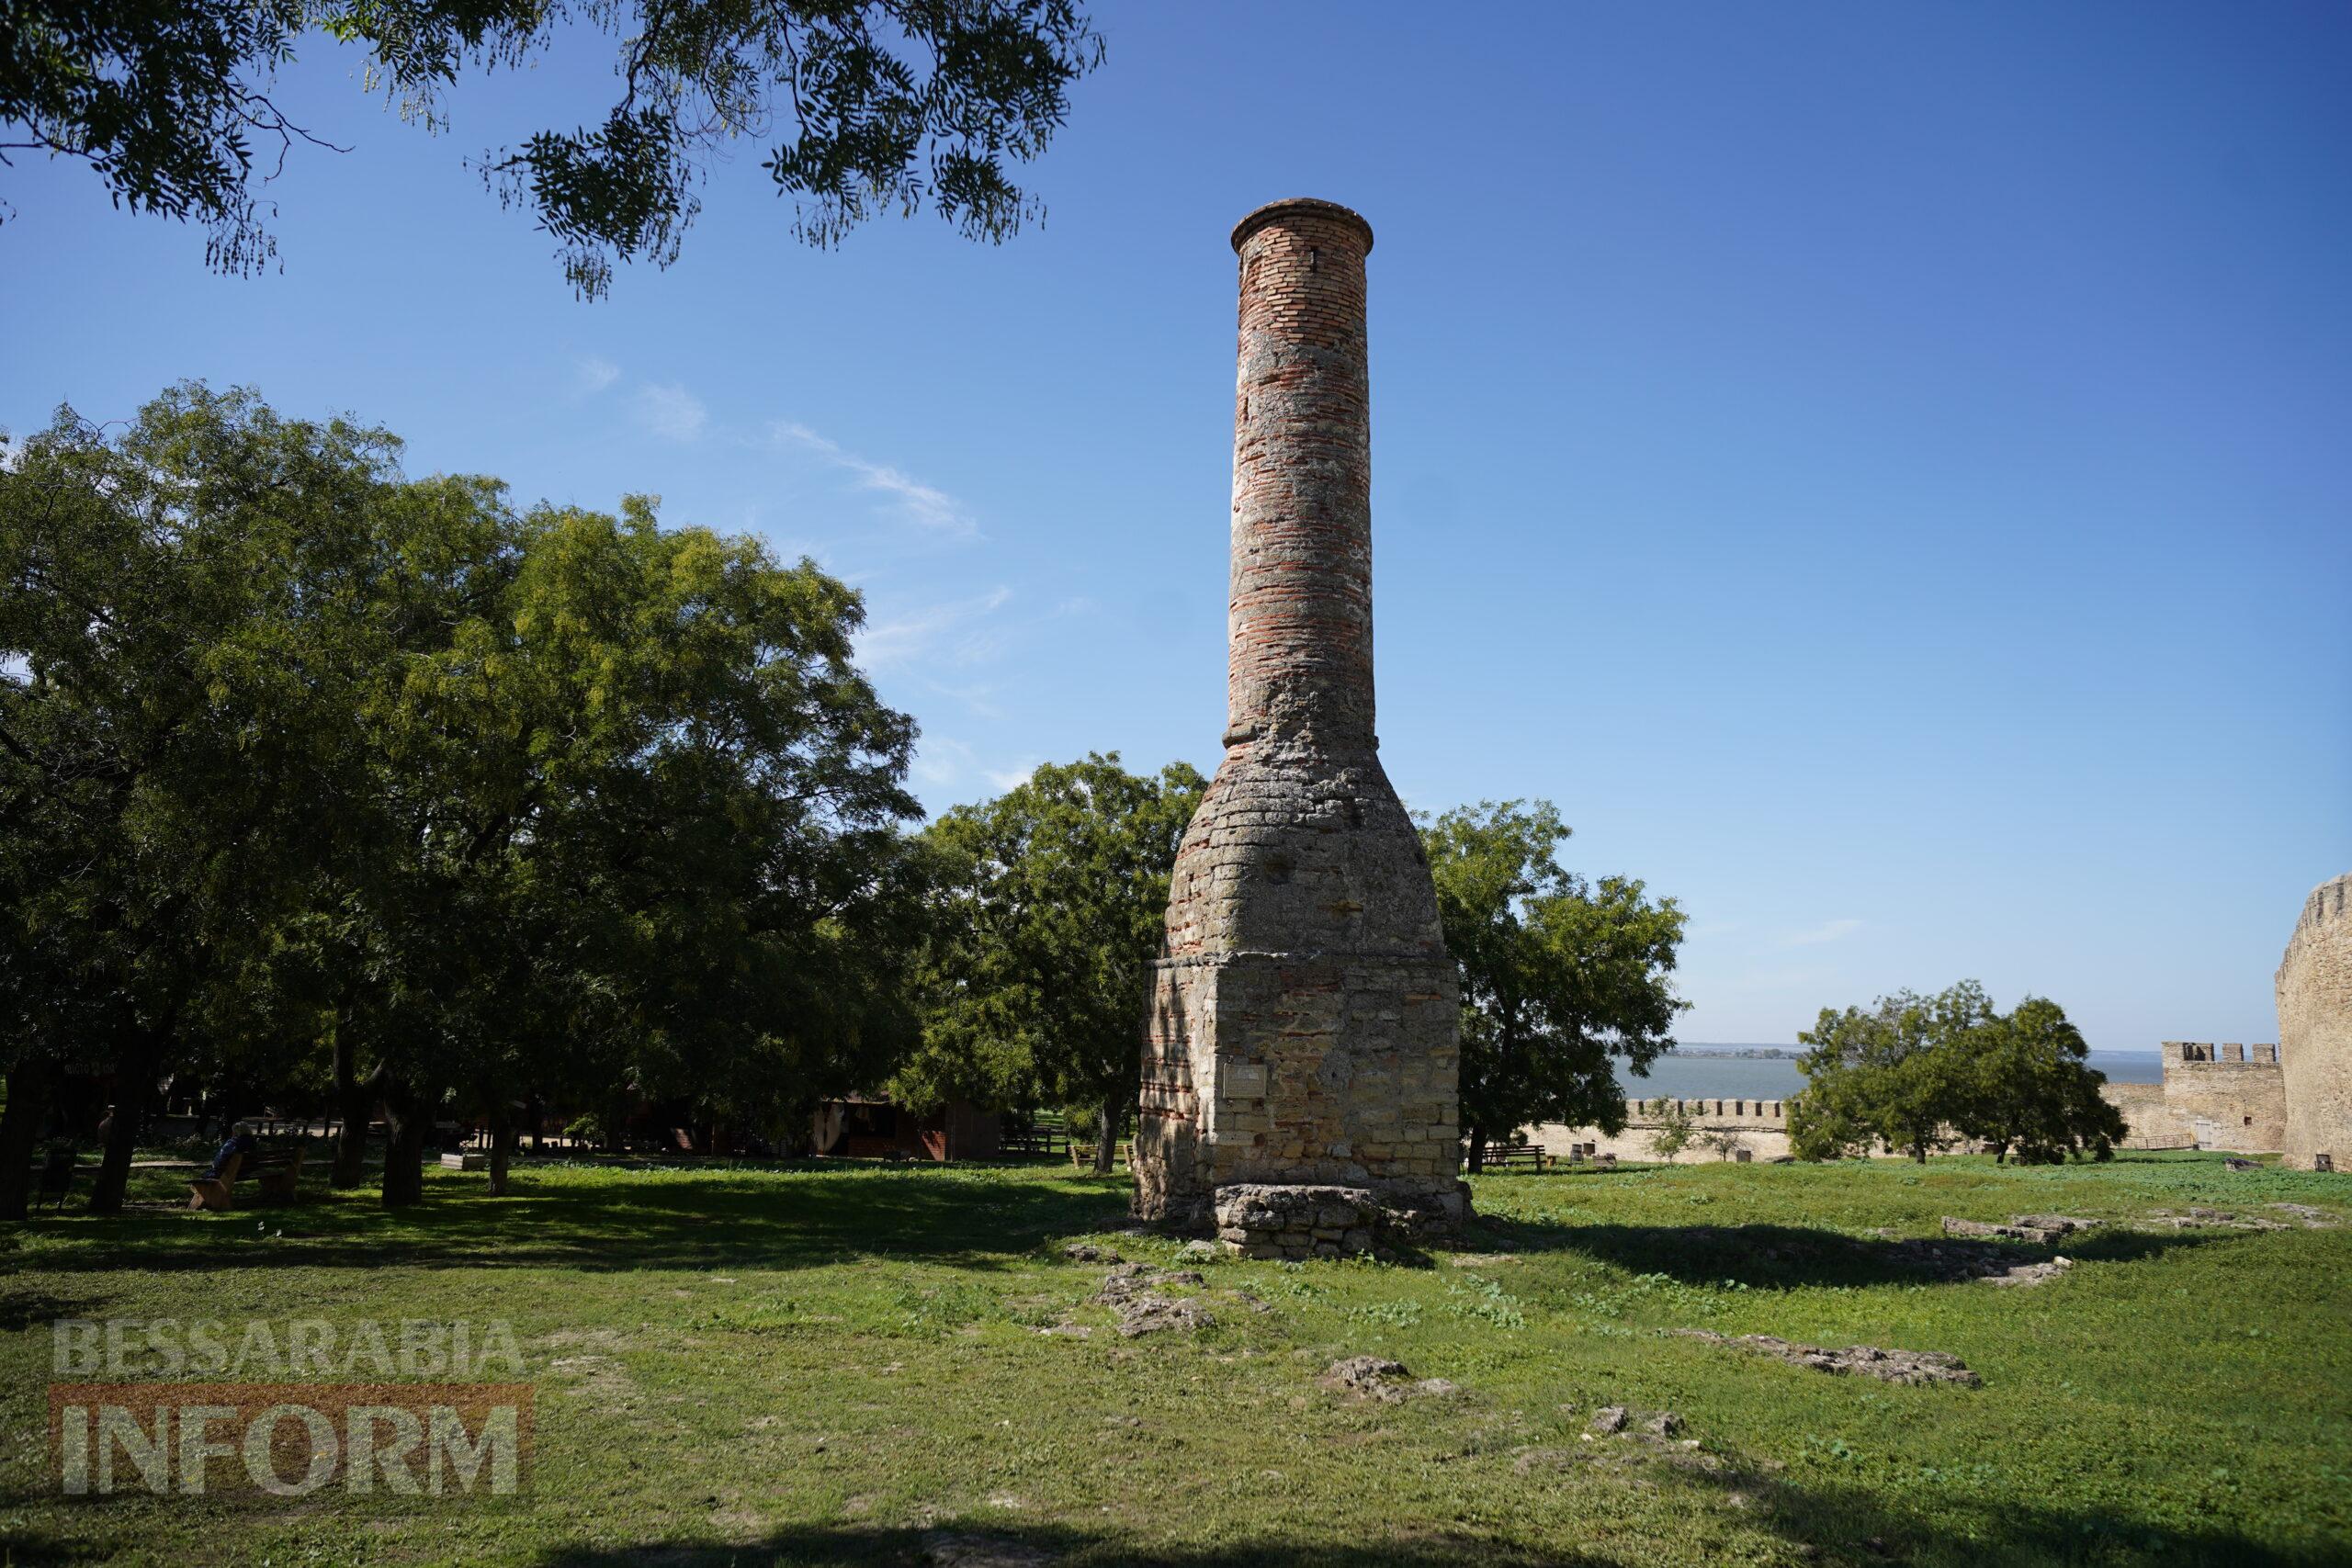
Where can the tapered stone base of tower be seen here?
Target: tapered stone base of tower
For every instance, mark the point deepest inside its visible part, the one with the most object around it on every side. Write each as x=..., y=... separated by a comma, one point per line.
x=1300, y=1062
x=2316, y=1030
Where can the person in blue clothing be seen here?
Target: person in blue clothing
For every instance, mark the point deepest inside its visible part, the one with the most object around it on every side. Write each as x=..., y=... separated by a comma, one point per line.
x=240, y=1142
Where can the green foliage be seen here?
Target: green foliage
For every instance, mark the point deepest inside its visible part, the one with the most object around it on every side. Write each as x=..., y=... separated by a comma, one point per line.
x=1558, y=975
x=891, y=104
x=2031, y=1093
x=179, y=730
x=306, y=755
x=1050, y=906
x=1920, y=1073
x=1675, y=1130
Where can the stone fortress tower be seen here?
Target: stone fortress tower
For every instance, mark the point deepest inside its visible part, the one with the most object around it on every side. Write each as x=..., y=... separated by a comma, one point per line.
x=1299, y=1077
x=2316, y=1030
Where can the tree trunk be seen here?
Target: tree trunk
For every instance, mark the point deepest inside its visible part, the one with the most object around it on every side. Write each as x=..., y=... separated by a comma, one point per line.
x=407, y=1118
x=28, y=1086
x=1477, y=1150
x=1107, y=1135
x=134, y=1082
x=355, y=1106
x=502, y=1144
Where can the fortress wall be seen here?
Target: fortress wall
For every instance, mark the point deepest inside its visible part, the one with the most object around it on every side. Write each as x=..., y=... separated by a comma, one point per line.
x=1761, y=1126
x=2315, y=1029
x=2148, y=1124
x=2227, y=1097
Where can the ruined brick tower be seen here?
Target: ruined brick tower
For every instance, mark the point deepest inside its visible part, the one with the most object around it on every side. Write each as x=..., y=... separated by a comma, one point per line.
x=1299, y=1080
x=2316, y=1030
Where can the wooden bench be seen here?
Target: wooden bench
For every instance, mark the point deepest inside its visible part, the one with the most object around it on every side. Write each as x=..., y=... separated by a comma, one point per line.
x=275, y=1173
x=1082, y=1156
x=1532, y=1155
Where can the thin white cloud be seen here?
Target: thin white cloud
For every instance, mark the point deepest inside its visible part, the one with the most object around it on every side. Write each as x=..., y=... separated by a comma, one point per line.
x=593, y=374
x=948, y=633
x=925, y=505
x=980, y=696
x=947, y=768
x=940, y=760
x=1828, y=931
x=669, y=410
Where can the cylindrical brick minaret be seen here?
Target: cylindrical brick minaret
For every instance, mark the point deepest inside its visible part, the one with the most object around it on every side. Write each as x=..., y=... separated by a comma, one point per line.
x=1300, y=626
x=1304, y=1026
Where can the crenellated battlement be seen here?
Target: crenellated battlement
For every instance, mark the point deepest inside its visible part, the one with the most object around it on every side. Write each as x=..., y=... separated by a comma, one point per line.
x=1641, y=1113
x=2230, y=1054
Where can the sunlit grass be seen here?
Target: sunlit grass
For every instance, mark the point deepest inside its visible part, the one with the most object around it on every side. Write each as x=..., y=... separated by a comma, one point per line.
x=854, y=1363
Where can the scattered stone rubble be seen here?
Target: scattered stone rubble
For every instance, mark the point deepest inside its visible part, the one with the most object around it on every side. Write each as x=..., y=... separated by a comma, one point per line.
x=1617, y=1420
x=1958, y=1260
x=1912, y=1367
x=2041, y=1229
x=1134, y=1292
x=1296, y=1221
x=1378, y=1378
x=943, y=1548
x=1128, y=1291
x=1084, y=1252
x=2201, y=1218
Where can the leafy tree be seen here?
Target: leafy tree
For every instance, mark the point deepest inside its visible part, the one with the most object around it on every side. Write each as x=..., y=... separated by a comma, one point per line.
x=172, y=719
x=1054, y=898
x=2030, y=1092
x=646, y=842
x=1674, y=1132
x=298, y=756
x=1920, y=1073
x=1558, y=974
x=886, y=103
x=1886, y=1075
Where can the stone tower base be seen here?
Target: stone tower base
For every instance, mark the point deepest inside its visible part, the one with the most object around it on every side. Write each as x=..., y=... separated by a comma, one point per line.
x=1315, y=1074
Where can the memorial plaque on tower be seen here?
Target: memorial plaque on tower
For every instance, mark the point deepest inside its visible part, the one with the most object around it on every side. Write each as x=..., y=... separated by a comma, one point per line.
x=1300, y=1058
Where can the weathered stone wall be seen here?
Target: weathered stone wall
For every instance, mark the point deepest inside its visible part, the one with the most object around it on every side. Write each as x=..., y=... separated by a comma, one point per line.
x=1304, y=1019
x=1761, y=1127
x=2315, y=1029
x=2215, y=1097
x=2146, y=1123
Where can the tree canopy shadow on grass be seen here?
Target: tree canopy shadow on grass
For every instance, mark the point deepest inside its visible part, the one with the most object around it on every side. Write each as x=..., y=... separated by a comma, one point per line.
x=1850, y=1525
x=1779, y=1257
x=1829, y=1526
x=1036, y=1546
x=719, y=1219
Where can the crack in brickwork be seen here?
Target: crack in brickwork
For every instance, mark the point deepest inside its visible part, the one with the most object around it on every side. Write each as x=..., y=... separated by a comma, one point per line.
x=1304, y=1015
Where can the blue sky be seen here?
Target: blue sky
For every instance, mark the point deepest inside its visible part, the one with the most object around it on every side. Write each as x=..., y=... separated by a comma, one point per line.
x=1884, y=470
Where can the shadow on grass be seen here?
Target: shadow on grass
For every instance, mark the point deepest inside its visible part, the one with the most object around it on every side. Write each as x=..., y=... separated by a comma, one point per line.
x=1034, y=1546
x=1848, y=1525
x=716, y=1219
x=1828, y=1526
x=1772, y=1256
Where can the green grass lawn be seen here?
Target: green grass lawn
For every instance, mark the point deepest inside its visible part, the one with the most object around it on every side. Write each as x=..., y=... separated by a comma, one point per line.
x=846, y=1364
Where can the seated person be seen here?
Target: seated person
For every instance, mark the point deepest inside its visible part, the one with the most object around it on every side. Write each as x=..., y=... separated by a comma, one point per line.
x=240, y=1141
